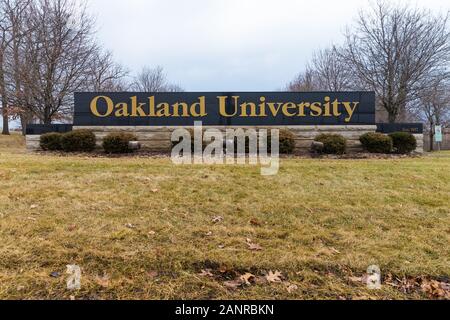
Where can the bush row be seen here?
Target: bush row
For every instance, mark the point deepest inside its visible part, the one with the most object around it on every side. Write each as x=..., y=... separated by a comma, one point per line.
x=397, y=142
x=84, y=141
x=77, y=140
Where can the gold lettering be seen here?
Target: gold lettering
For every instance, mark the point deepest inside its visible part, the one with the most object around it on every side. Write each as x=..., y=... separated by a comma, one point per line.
x=122, y=110
x=350, y=110
x=176, y=109
x=316, y=109
x=152, y=106
x=109, y=105
x=336, y=112
x=262, y=107
x=302, y=107
x=136, y=109
x=286, y=108
x=244, y=110
x=327, y=107
x=201, y=108
x=275, y=109
x=223, y=106
x=163, y=110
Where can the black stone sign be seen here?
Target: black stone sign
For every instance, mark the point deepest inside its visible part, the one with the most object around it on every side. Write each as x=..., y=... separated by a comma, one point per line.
x=224, y=108
x=414, y=128
x=37, y=129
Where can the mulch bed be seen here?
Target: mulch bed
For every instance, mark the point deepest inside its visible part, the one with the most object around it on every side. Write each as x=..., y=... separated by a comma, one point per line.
x=146, y=154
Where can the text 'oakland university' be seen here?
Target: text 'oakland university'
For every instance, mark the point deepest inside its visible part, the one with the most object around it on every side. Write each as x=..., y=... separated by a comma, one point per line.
x=181, y=109
x=264, y=108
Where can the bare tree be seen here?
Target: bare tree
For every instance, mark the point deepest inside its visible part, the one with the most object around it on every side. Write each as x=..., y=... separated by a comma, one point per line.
x=331, y=71
x=174, y=88
x=12, y=14
x=433, y=106
x=150, y=80
x=57, y=56
x=304, y=81
x=154, y=80
x=105, y=74
x=393, y=50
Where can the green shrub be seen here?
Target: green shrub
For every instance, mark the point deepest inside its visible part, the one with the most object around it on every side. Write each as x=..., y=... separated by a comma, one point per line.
x=118, y=142
x=332, y=143
x=50, y=141
x=376, y=142
x=286, y=142
x=403, y=142
x=78, y=141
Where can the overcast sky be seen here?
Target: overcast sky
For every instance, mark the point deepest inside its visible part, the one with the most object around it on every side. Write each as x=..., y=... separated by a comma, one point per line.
x=225, y=45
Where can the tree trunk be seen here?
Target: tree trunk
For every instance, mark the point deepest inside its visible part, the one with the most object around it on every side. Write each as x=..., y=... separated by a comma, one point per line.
x=47, y=120
x=24, y=119
x=392, y=117
x=23, y=125
x=4, y=100
x=431, y=140
x=5, y=118
x=431, y=135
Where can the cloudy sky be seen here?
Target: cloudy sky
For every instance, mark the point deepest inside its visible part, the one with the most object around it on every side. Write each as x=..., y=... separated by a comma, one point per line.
x=225, y=45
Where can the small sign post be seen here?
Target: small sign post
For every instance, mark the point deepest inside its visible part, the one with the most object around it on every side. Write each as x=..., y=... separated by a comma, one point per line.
x=438, y=136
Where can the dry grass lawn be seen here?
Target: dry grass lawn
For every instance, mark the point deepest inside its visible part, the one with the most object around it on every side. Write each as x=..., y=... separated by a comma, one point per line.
x=141, y=228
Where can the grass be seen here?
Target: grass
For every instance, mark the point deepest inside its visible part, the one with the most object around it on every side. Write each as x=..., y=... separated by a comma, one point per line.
x=142, y=228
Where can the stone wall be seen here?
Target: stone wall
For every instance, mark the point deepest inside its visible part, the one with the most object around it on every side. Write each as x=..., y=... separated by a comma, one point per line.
x=157, y=139
x=419, y=139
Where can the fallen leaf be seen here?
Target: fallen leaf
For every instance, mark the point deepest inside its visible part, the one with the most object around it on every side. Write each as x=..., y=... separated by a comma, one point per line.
x=261, y=280
x=206, y=273
x=274, y=276
x=435, y=288
x=290, y=287
x=233, y=285
x=247, y=278
x=102, y=281
x=254, y=247
x=355, y=279
x=152, y=274
x=255, y=222
x=445, y=286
